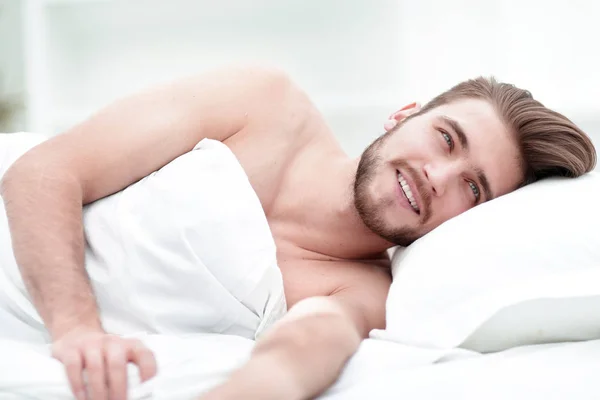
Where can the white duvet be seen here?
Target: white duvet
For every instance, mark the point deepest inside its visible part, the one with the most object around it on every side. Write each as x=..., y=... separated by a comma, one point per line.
x=190, y=365
x=186, y=249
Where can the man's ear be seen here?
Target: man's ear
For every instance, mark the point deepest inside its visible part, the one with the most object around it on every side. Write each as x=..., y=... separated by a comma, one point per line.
x=405, y=111
x=401, y=114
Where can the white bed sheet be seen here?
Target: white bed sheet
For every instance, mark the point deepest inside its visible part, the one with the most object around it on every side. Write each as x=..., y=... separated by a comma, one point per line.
x=189, y=365
x=386, y=370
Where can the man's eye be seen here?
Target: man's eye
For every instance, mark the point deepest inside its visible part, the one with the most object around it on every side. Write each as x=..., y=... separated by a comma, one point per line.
x=448, y=139
x=475, y=190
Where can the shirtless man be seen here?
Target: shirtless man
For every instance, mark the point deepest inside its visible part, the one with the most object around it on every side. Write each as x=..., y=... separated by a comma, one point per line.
x=477, y=142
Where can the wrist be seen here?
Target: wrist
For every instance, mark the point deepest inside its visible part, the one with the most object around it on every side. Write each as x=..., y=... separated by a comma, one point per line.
x=74, y=326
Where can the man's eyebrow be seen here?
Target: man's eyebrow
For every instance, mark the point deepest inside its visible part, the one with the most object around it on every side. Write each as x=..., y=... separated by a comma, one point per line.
x=464, y=141
x=460, y=132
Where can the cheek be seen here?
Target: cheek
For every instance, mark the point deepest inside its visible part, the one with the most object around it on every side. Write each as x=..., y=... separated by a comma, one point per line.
x=418, y=144
x=431, y=143
x=449, y=206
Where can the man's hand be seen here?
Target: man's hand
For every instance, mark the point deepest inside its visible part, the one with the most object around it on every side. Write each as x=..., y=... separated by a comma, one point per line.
x=104, y=358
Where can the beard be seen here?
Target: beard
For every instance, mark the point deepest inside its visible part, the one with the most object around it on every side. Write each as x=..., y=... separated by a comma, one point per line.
x=370, y=211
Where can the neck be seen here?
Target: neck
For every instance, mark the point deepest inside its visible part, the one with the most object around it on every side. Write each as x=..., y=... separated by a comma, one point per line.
x=332, y=214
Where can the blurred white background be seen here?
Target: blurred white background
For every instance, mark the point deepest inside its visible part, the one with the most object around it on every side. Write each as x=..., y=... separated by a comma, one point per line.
x=359, y=60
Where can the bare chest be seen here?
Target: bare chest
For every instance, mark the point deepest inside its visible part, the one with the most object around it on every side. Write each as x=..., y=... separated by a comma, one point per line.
x=271, y=165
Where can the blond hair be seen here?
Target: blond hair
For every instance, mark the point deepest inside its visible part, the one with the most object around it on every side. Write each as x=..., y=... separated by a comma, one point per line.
x=550, y=144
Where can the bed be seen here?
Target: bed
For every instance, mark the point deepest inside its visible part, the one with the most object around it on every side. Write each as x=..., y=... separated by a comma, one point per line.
x=500, y=302
x=379, y=370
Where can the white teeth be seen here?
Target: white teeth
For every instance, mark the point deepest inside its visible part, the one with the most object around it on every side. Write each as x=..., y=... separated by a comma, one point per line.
x=407, y=192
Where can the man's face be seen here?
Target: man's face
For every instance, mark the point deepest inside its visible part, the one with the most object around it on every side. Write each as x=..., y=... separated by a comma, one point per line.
x=433, y=167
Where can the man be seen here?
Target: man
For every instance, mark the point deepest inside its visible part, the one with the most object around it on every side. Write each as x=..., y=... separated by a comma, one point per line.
x=476, y=142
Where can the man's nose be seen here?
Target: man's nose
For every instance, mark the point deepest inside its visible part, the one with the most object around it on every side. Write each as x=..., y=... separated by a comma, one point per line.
x=442, y=175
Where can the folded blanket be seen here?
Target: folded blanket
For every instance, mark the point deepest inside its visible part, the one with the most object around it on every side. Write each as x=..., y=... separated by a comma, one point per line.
x=187, y=249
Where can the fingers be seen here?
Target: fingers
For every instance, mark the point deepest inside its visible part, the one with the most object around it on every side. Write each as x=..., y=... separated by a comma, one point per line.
x=116, y=367
x=96, y=378
x=143, y=358
x=104, y=359
x=74, y=368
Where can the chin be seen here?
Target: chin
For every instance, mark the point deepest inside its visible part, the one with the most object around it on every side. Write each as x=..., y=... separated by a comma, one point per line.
x=378, y=218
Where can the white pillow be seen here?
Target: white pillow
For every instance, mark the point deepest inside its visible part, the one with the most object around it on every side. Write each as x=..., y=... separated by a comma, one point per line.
x=522, y=269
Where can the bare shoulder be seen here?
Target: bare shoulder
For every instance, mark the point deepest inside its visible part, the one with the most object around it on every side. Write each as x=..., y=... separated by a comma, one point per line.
x=283, y=125
x=283, y=110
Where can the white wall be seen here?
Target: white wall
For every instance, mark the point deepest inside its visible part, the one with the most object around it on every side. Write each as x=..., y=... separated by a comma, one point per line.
x=549, y=47
x=96, y=51
x=357, y=59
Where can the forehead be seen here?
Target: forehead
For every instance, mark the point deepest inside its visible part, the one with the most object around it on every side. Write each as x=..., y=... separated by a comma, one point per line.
x=492, y=148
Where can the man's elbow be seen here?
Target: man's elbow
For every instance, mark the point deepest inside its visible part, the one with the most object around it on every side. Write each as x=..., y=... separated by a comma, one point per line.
x=33, y=173
x=13, y=175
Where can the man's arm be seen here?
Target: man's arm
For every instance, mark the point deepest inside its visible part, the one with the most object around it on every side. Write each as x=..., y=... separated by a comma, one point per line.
x=45, y=189
x=304, y=353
